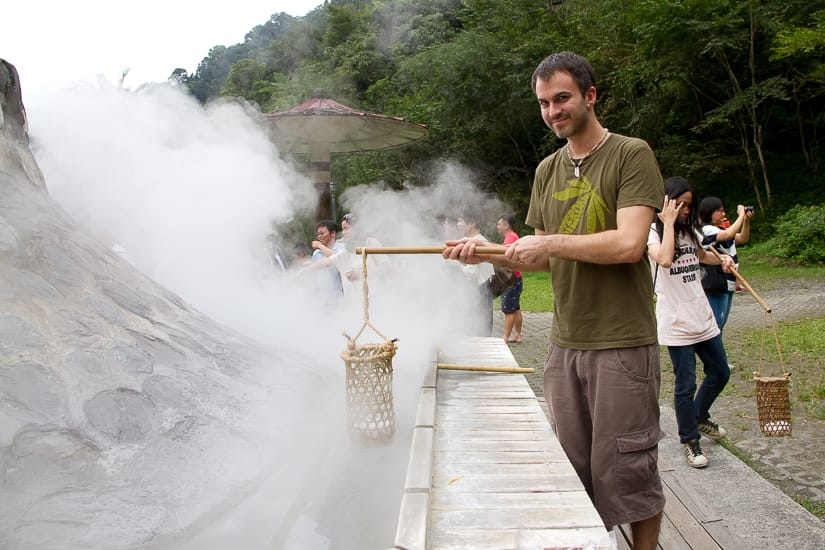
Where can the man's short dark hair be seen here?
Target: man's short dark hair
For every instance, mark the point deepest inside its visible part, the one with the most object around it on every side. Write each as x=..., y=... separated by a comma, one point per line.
x=577, y=66
x=331, y=226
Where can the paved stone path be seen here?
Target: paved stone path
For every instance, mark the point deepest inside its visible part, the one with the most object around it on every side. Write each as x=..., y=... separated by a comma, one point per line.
x=795, y=464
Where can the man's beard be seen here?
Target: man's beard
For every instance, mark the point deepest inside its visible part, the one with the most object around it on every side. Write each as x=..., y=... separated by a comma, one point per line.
x=575, y=122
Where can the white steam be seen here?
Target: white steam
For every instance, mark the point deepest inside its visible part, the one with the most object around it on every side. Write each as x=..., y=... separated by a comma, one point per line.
x=191, y=194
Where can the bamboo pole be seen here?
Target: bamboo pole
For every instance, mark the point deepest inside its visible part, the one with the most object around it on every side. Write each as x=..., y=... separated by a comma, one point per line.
x=485, y=368
x=742, y=280
x=423, y=249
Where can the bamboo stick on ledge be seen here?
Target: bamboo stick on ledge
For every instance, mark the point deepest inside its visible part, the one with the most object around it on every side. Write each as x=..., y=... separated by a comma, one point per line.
x=486, y=368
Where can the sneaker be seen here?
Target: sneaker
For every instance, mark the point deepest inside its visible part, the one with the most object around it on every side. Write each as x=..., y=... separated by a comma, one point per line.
x=694, y=455
x=711, y=430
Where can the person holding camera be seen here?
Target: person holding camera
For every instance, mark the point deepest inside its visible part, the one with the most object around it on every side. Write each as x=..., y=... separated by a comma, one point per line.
x=723, y=235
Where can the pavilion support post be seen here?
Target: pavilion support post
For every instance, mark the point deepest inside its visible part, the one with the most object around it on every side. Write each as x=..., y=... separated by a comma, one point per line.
x=321, y=176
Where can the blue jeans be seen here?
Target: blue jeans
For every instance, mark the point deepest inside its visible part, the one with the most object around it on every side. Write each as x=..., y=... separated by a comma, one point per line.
x=693, y=406
x=720, y=304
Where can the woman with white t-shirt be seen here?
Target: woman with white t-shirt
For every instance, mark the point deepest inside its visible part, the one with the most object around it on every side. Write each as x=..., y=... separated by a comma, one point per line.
x=685, y=322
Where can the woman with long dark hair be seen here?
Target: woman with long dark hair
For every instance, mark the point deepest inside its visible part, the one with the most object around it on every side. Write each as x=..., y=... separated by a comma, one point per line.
x=718, y=231
x=685, y=322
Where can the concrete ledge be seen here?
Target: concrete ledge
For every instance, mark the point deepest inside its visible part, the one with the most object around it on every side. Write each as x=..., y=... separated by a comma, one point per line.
x=425, y=416
x=411, y=532
x=431, y=376
x=420, y=466
x=412, y=522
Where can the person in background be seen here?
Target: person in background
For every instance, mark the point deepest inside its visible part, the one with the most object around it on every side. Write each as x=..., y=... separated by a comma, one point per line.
x=685, y=322
x=300, y=257
x=510, y=298
x=324, y=246
x=719, y=232
x=349, y=263
x=591, y=206
x=468, y=225
x=447, y=229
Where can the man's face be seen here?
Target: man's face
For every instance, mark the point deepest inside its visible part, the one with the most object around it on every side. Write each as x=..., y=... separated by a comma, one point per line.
x=563, y=108
x=324, y=236
x=502, y=227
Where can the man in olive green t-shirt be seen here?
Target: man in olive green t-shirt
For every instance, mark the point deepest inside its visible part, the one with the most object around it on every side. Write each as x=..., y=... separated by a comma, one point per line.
x=591, y=207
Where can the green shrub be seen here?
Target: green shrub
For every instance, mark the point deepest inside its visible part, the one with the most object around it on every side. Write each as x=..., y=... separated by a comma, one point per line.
x=800, y=235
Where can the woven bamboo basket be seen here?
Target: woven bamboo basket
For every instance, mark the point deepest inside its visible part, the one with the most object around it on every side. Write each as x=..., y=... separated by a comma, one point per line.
x=774, y=405
x=772, y=396
x=370, y=410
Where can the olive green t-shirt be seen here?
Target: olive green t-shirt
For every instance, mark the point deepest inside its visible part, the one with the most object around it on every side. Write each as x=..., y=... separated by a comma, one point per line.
x=598, y=306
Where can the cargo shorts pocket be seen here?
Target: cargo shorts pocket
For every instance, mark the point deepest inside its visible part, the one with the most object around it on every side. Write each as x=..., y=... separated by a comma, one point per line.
x=637, y=455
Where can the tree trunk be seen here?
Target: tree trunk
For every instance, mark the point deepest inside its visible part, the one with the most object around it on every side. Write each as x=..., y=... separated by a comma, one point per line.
x=755, y=125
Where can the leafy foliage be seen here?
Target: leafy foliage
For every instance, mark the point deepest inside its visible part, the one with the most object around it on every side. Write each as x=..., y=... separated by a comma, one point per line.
x=800, y=235
x=729, y=93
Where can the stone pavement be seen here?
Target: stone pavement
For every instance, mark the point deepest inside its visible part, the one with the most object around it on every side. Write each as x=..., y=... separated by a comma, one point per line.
x=795, y=464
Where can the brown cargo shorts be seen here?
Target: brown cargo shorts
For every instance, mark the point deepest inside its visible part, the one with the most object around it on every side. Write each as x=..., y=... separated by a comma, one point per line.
x=604, y=406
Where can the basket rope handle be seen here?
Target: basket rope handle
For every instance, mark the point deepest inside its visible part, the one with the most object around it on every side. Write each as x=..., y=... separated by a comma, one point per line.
x=762, y=353
x=366, y=303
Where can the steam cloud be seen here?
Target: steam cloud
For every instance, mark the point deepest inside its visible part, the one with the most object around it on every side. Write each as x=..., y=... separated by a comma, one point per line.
x=190, y=196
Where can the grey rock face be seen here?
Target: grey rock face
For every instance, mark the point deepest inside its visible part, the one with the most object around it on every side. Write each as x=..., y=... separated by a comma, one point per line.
x=126, y=416
x=19, y=334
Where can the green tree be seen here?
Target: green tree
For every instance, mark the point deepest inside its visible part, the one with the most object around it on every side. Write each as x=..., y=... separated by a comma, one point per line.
x=246, y=79
x=730, y=93
x=804, y=46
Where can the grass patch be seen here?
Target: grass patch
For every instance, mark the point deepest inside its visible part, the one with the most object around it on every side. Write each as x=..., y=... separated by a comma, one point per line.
x=815, y=507
x=766, y=272
x=801, y=343
x=538, y=293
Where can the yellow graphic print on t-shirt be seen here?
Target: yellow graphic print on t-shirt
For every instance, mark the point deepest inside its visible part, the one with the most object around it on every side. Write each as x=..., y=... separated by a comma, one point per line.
x=588, y=205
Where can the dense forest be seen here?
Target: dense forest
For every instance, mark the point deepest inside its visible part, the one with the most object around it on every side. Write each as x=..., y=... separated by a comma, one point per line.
x=729, y=93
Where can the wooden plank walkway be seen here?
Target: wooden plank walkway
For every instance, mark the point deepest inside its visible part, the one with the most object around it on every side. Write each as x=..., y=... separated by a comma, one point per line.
x=689, y=522
x=487, y=472
x=499, y=477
